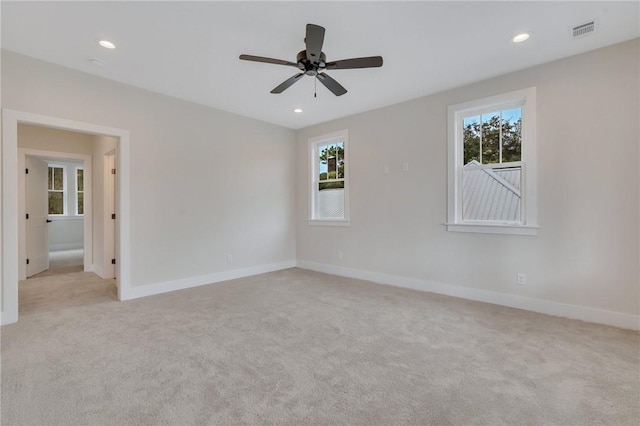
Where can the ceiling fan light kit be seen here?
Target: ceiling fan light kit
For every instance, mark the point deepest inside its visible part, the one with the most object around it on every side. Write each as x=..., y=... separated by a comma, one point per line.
x=313, y=62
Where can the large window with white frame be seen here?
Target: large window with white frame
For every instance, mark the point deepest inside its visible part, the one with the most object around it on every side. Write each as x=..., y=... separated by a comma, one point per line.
x=329, y=201
x=492, y=165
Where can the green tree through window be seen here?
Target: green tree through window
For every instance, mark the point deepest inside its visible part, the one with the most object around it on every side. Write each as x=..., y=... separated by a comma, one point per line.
x=56, y=190
x=80, y=190
x=331, y=167
x=494, y=137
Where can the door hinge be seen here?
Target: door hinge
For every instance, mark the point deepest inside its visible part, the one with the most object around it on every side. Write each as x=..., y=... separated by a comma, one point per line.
x=113, y=261
x=27, y=215
x=113, y=171
x=113, y=216
x=27, y=261
x=26, y=171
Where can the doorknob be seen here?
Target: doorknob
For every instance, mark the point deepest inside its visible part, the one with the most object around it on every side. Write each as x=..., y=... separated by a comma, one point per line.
x=49, y=220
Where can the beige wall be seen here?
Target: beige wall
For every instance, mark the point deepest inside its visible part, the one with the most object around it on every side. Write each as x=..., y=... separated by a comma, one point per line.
x=586, y=253
x=204, y=183
x=47, y=139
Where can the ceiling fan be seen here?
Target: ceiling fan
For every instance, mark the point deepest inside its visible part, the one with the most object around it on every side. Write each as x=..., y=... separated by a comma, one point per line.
x=313, y=62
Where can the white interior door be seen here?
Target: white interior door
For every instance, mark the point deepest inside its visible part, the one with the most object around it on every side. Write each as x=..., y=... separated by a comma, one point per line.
x=37, y=215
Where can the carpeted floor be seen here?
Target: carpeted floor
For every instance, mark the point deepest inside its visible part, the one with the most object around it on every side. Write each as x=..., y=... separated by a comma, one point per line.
x=65, y=258
x=55, y=290
x=62, y=262
x=299, y=347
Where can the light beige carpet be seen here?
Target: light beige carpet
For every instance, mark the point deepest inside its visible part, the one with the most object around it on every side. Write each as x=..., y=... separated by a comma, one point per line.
x=62, y=288
x=298, y=347
x=65, y=258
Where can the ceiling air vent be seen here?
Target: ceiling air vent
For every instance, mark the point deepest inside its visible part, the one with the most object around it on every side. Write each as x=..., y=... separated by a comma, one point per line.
x=584, y=29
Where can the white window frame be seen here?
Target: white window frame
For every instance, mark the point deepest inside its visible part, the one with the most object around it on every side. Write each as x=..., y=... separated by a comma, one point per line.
x=526, y=98
x=314, y=173
x=70, y=190
x=75, y=188
x=65, y=207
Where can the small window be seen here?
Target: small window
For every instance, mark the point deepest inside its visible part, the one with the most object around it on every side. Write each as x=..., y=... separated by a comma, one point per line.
x=56, y=190
x=492, y=165
x=66, y=190
x=79, y=191
x=329, y=188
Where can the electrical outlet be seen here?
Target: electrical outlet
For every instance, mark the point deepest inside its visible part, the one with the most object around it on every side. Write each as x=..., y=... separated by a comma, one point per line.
x=339, y=255
x=229, y=258
x=386, y=169
x=405, y=167
x=522, y=278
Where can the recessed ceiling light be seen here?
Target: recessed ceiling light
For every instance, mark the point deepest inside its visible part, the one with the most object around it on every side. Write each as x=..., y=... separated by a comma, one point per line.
x=297, y=110
x=521, y=37
x=97, y=62
x=106, y=44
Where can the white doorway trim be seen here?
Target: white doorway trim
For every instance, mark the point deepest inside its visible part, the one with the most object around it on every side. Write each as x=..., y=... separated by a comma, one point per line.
x=109, y=207
x=88, y=208
x=9, y=269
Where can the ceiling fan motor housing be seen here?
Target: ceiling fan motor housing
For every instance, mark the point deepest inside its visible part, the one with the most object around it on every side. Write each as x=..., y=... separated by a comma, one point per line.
x=311, y=67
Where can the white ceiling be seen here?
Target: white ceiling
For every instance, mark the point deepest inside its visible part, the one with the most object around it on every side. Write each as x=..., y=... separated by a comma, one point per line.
x=190, y=49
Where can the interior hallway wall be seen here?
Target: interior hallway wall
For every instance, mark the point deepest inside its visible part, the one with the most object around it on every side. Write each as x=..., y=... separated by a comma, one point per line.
x=47, y=139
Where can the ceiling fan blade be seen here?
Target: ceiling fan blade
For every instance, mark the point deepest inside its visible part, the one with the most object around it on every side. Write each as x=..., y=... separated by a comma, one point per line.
x=335, y=87
x=267, y=60
x=314, y=41
x=287, y=83
x=345, y=64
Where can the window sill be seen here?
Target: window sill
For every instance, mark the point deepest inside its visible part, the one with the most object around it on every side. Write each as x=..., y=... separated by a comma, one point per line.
x=57, y=218
x=329, y=222
x=493, y=228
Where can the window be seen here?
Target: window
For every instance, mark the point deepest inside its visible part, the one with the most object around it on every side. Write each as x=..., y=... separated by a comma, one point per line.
x=66, y=189
x=79, y=191
x=56, y=190
x=492, y=165
x=329, y=180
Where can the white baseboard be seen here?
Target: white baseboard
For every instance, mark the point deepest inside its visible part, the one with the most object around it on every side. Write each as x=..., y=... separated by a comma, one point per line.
x=548, y=307
x=184, y=283
x=66, y=246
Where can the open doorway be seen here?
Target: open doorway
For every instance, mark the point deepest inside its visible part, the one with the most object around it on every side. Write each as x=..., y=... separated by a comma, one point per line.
x=65, y=202
x=52, y=164
x=13, y=213
x=62, y=211
x=55, y=192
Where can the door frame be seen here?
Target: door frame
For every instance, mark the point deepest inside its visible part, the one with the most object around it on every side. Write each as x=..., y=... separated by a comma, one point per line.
x=22, y=206
x=109, y=227
x=9, y=268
